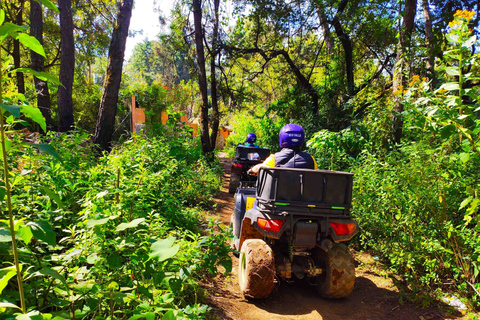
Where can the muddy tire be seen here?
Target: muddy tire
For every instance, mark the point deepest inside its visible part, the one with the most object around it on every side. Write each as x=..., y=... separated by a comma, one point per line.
x=256, y=271
x=338, y=278
x=234, y=183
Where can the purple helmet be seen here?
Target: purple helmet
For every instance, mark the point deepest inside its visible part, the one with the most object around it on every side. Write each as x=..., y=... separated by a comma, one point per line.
x=251, y=138
x=291, y=135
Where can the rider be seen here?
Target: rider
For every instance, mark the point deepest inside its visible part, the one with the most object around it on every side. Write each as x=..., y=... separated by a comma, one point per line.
x=291, y=139
x=250, y=141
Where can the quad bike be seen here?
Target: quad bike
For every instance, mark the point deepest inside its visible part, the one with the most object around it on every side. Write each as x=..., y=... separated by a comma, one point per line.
x=245, y=158
x=293, y=223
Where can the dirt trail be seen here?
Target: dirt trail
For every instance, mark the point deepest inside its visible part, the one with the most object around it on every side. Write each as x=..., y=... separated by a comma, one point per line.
x=375, y=295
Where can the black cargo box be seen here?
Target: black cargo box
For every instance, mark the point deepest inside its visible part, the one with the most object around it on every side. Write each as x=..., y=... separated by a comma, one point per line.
x=315, y=191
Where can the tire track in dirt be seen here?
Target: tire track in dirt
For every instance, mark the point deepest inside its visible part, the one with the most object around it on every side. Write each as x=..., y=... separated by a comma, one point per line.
x=375, y=295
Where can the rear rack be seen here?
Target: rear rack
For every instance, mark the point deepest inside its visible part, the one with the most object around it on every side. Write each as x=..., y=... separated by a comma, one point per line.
x=305, y=190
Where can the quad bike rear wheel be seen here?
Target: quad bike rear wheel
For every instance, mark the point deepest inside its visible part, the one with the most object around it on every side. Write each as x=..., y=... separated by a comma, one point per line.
x=234, y=183
x=338, y=278
x=256, y=271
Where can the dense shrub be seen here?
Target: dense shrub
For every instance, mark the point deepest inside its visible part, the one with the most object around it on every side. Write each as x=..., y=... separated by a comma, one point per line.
x=115, y=236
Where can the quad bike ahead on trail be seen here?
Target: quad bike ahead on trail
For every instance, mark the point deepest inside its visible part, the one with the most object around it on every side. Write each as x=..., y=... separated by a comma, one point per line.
x=293, y=223
x=245, y=158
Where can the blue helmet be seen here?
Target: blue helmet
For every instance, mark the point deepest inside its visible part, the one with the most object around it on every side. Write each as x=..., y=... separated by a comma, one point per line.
x=291, y=136
x=251, y=138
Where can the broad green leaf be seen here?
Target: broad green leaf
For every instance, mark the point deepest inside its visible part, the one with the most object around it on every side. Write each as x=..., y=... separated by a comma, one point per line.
x=453, y=38
x=42, y=230
x=465, y=202
x=15, y=110
x=227, y=264
x=54, y=274
x=470, y=42
x=99, y=222
x=150, y=316
x=447, y=131
x=32, y=315
x=9, y=305
x=5, y=235
x=450, y=86
x=3, y=193
x=40, y=75
x=26, y=234
x=49, y=5
x=52, y=195
x=45, y=147
x=132, y=224
x=169, y=315
x=453, y=71
x=5, y=275
x=2, y=17
x=10, y=29
x=163, y=249
x=464, y=157
x=31, y=42
x=35, y=114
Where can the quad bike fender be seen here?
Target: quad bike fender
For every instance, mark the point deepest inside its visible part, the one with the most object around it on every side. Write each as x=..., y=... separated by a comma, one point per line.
x=253, y=215
x=347, y=230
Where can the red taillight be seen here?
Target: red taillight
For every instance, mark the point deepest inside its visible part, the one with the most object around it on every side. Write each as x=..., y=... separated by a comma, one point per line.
x=238, y=165
x=270, y=225
x=342, y=229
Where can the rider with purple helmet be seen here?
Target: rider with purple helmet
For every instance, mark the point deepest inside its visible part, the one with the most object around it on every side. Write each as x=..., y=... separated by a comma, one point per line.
x=291, y=138
x=250, y=141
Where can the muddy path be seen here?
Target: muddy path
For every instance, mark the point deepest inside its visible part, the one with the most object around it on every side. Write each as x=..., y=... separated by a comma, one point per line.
x=375, y=296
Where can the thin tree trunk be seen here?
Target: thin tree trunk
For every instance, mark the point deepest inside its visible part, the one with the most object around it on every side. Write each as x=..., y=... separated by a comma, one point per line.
x=429, y=38
x=348, y=51
x=324, y=25
x=202, y=76
x=16, y=48
x=108, y=104
x=213, y=79
x=67, y=66
x=401, y=66
x=41, y=87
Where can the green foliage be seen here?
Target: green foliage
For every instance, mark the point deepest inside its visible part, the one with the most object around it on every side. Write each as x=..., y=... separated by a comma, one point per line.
x=122, y=229
x=338, y=150
x=418, y=206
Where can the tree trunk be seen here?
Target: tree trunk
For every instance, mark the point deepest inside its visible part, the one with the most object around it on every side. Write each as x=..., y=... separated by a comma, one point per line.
x=202, y=76
x=16, y=47
x=67, y=66
x=429, y=39
x=108, y=104
x=401, y=65
x=213, y=78
x=323, y=25
x=348, y=51
x=41, y=87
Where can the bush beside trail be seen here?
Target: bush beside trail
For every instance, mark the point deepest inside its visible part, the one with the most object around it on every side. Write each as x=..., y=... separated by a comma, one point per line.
x=118, y=236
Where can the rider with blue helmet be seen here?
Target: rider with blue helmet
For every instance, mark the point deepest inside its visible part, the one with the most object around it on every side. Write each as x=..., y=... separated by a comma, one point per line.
x=250, y=141
x=291, y=138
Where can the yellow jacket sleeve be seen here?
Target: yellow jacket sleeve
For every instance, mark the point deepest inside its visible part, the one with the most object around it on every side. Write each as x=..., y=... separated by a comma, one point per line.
x=270, y=161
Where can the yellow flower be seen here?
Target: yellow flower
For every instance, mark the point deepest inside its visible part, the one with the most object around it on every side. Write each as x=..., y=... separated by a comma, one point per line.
x=452, y=24
x=415, y=79
x=464, y=14
x=399, y=90
x=424, y=79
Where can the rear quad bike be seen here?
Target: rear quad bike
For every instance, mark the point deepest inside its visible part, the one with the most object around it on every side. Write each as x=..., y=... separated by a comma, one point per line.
x=293, y=223
x=245, y=158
